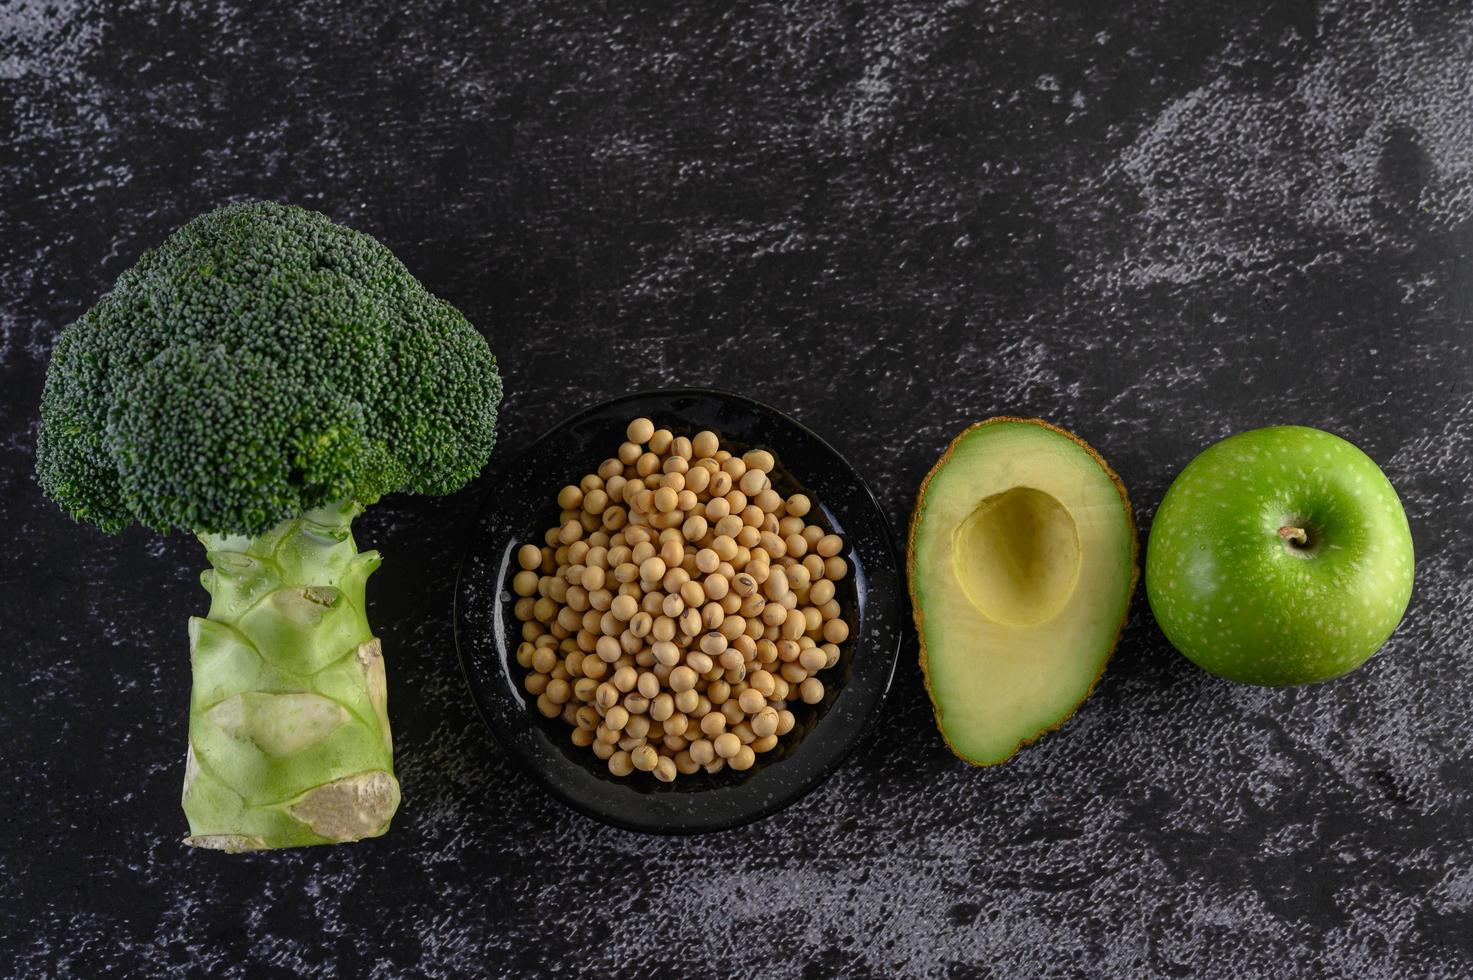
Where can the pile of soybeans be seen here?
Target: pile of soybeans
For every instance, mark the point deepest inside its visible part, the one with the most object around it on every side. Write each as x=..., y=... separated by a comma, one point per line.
x=679, y=607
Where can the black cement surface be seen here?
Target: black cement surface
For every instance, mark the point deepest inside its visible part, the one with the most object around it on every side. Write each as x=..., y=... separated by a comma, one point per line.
x=1153, y=223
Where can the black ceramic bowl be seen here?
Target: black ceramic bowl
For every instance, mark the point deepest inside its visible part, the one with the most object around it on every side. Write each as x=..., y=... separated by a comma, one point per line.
x=521, y=507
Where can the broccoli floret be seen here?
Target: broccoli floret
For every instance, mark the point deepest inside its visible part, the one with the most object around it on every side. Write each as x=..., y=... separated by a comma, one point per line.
x=262, y=362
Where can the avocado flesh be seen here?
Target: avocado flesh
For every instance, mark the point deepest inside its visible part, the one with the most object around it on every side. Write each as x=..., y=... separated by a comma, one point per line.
x=1022, y=564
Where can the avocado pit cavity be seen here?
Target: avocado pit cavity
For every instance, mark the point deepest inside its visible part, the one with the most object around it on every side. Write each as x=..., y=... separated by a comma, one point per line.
x=1017, y=557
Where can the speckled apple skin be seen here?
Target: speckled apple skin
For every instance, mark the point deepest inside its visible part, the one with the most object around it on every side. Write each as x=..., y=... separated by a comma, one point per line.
x=1238, y=600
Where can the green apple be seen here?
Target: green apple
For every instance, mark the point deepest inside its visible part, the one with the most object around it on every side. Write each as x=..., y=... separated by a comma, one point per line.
x=1280, y=556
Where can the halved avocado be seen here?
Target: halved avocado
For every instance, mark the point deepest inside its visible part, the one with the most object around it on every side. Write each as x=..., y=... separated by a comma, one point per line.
x=1022, y=561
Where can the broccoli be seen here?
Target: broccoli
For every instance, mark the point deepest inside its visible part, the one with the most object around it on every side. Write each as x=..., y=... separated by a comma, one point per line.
x=259, y=379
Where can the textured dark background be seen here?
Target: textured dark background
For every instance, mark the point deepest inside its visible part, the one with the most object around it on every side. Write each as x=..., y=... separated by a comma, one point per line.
x=1154, y=223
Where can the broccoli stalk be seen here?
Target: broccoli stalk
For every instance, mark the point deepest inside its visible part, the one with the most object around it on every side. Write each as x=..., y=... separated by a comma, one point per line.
x=258, y=379
x=289, y=704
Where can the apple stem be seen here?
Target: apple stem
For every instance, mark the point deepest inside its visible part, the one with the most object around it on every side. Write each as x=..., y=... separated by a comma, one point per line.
x=1294, y=536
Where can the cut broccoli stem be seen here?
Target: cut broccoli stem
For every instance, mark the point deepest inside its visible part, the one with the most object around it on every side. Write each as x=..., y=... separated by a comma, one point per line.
x=288, y=727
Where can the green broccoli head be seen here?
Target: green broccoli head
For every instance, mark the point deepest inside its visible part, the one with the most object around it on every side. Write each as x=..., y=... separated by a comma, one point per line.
x=261, y=362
